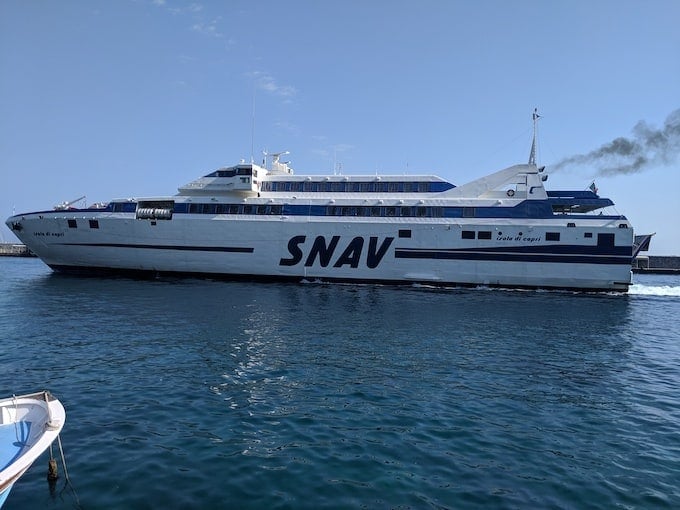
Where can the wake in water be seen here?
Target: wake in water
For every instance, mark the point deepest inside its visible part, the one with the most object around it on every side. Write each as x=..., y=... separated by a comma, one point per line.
x=654, y=290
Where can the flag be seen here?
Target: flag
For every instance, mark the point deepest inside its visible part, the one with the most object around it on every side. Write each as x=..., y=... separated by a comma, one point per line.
x=593, y=188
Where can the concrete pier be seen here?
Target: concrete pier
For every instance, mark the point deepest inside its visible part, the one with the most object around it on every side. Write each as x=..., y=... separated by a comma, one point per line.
x=656, y=264
x=14, y=250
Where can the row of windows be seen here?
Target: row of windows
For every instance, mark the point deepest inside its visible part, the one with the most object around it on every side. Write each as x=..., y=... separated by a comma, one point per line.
x=522, y=211
x=231, y=209
x=231, y=172
x=528, y=209
x=385, y=211
x=316, y=210
x=356, y=187
x=331, y=210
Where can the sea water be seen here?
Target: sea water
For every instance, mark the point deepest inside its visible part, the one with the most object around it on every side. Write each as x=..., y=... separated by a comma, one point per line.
x=184, y=393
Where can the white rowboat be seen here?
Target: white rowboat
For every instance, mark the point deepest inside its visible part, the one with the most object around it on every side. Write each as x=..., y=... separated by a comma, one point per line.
x=28, y=426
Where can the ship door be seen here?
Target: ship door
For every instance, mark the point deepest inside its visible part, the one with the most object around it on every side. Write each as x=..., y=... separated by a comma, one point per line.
x=605, y=240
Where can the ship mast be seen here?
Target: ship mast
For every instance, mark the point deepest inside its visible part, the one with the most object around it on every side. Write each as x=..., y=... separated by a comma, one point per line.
x=532, y=154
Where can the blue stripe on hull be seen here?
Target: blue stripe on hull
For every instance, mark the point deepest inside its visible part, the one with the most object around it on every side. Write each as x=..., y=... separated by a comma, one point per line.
x=507, y=256
x=228, y=249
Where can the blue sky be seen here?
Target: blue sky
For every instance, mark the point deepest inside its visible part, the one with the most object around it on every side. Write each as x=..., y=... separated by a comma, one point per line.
x=136, y=97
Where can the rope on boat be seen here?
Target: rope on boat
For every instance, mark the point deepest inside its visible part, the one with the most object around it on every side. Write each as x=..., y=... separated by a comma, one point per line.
x=52, y=473
x=63, y=460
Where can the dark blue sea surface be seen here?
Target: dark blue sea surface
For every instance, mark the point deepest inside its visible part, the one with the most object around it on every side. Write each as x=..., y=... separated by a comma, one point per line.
x=185, y=393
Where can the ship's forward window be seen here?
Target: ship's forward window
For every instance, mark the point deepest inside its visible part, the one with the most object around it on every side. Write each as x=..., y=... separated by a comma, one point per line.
x=390, y=211
x=468, y=234
x=247, y=209
x=421, y=211
x=94, y=224
x=484, y=234
x=72, y=224
x=552, y=236
x=125, y=207
x=406, y=211
x=375, y=211
x=468, y=212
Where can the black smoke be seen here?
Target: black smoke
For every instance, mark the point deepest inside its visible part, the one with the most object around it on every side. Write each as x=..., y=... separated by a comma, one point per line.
x=647, y=147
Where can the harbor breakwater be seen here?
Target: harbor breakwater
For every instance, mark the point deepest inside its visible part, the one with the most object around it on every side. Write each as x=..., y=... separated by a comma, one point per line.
x=15, y=250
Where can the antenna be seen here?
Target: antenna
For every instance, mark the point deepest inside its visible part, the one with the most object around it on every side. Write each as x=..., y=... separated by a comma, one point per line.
x=532, y=154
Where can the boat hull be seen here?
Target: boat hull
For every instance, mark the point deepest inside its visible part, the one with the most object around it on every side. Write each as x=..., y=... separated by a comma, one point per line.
x=28, y=426
x=429, y=250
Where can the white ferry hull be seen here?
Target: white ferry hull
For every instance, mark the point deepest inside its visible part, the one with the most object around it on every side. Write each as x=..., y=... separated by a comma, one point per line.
x=428, y=250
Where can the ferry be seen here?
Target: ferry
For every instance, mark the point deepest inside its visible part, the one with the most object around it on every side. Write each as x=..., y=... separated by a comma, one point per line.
x=251, y=221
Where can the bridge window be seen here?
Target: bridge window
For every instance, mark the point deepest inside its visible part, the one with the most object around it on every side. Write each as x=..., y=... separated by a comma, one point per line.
x=468, y=212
